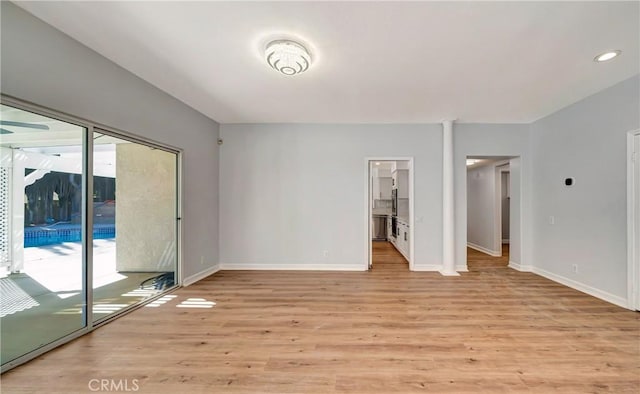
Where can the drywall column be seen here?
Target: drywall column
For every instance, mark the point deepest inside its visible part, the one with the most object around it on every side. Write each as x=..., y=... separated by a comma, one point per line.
x=448, y=234
x=145, y=209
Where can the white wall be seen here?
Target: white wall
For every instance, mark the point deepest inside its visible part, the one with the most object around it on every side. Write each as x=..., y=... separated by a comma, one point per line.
x=481, y=208
x=515, y=213
x=586, y=140
x=289, y=192
x=44, y=66
x=510, y=140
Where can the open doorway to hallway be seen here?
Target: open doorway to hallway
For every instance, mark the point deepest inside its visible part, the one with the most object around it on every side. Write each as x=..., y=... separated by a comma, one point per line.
x=489, y=216
x=389, y=214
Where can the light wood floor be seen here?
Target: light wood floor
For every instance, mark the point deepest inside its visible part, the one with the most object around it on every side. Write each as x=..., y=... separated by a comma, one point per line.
x=492, y=330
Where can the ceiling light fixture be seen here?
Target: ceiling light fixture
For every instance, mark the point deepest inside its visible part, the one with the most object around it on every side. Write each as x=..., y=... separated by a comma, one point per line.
x=471, y=162
x=288, y=57
x=603, y=57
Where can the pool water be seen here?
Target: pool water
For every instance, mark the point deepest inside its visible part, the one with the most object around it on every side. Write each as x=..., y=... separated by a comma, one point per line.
x=55, y=234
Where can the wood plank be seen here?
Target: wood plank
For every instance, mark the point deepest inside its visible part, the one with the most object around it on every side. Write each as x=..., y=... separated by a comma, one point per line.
x=491, y=330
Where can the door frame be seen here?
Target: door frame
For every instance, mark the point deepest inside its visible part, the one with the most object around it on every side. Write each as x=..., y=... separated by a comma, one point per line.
x=633, y=219
x=501, y=168
x=368, y=209
x=463, y=194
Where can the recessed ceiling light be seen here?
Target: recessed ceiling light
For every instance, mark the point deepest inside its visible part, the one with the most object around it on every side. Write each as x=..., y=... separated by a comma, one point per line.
x=288, y=57
x=606, y=56
x=471, y=162
x=377, y=163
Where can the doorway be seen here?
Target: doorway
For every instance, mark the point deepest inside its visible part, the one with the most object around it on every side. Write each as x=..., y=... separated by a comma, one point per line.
x=633, y=224
x=389, y=211
x=492, y=211
x=505, y=180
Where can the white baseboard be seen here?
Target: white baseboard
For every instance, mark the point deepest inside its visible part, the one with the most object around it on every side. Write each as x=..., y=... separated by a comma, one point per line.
x=200, y=275
x=484, y=250
x=603, y=295
x=427, y=267
x=520, y=267
x=291, y=267
x=462, y=268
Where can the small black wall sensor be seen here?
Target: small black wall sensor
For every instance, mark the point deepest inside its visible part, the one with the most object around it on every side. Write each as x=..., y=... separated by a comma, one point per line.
x=569, y=181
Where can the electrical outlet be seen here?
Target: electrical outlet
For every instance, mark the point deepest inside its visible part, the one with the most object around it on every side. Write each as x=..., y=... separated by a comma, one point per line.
x=552, y=219
x=201, y=260
x=575, y=268
x=325, y=253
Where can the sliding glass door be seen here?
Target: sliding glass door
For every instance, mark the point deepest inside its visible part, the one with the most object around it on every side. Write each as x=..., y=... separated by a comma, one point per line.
x=87, y=217
x=42, y=294
x=134, y=223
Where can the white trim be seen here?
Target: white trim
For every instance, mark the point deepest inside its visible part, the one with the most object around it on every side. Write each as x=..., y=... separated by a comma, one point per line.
x=462, y=268
x=519, y=267
x=484, y=250
x=592, y=291
x=188, y=281
x=448, y=202
x=368, y=209
x=180, y=215
x=427, y=268
x=291, y=267
x=411, y=215
x=633, y=225
x=500, y=169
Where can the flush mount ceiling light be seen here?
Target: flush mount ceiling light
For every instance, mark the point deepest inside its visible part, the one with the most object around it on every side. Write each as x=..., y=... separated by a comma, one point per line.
x=288, y=57
x=603, y=57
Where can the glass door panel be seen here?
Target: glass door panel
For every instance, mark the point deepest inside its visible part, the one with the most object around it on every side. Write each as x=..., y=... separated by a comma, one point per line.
x=134, y=223
x=42, y=295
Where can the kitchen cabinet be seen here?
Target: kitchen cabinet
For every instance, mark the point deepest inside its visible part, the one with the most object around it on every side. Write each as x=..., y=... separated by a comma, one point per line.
x=389, y=229
x=400, y=181
x=381, y=188
x=402, y=242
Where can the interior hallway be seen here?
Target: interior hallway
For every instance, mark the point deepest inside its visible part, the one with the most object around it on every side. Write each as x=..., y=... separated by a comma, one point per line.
x=388, y=330
x=478, y=261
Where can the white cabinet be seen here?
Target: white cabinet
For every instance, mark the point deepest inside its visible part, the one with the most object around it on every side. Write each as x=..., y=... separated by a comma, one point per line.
x=381, y=188
x=400, y=181
x=389, y=229
x=402, y=241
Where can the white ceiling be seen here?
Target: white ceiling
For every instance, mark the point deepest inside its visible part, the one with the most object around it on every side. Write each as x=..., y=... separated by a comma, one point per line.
x=405, y=62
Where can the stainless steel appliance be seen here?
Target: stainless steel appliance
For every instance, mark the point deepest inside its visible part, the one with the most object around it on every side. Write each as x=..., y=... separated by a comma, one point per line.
x=394, y=202
x=394, y=226
x=379, y=224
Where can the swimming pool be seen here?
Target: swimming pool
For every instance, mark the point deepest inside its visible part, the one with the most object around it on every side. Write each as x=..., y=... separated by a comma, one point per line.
x=55, y=234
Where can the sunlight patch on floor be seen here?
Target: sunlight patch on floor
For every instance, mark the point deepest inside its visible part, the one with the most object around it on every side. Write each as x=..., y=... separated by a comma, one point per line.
x=143, y=293
x=13, y=299
x=59, y=267
x=108, y=308
x=196, y=303
x=160, y=301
